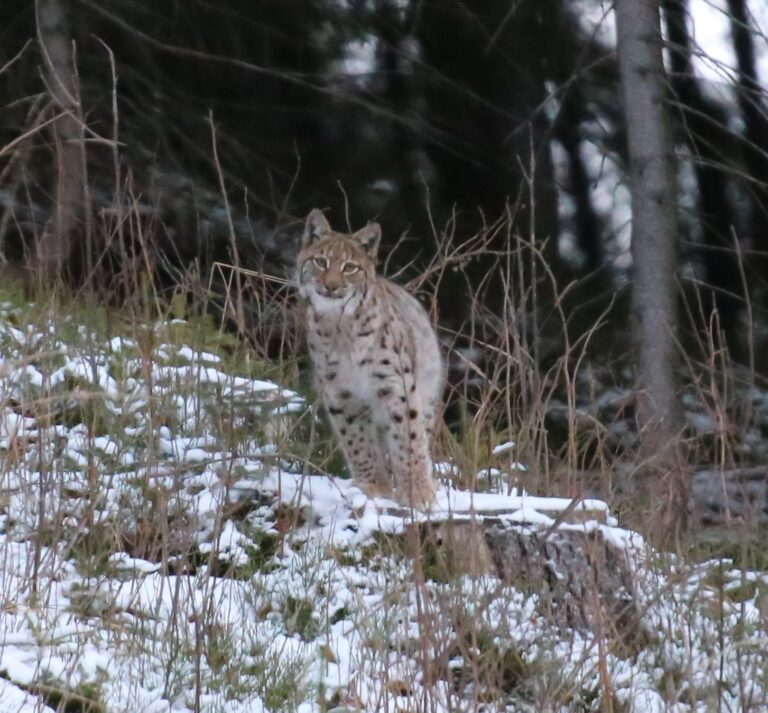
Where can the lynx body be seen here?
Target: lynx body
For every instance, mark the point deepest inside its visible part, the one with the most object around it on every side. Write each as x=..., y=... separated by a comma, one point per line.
x=376, y=359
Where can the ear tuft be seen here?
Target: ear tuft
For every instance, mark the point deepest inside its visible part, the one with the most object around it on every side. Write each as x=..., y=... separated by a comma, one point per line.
x=315, y=228
x=368, y=238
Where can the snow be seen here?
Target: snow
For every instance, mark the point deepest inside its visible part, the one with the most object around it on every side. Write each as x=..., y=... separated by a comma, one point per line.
x=174, y=557
x=121, y=560
x=456, y=501
x=503, y=448
x=15, y=700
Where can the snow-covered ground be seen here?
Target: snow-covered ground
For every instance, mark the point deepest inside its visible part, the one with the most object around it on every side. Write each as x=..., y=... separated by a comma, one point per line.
x=163, y=547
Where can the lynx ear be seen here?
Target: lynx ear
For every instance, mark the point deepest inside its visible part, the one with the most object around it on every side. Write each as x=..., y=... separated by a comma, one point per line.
x=368, y=238
x=316, y=227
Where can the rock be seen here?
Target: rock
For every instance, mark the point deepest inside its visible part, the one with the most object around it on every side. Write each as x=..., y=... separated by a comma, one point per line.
x=722, y=497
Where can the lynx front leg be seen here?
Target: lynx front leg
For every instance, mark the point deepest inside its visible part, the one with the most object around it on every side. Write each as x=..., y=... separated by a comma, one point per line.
x=407, y=442
x=359, y=441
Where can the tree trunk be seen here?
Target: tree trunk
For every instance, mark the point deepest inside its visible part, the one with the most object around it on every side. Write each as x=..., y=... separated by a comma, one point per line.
x=54, y=247
x=654, y=234
x=588, y=229
x=755, y=116
x=705, y=127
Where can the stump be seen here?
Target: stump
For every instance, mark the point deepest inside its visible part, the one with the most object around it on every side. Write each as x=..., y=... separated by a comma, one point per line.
x=582, y=579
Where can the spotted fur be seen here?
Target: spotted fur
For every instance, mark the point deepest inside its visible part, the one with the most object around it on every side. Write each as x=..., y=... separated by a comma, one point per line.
x=376, y=359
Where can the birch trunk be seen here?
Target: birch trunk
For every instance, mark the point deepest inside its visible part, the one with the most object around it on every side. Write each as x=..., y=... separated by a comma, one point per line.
x=55, y=246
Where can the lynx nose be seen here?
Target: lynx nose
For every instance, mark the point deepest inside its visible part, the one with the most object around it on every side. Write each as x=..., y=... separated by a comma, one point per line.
x=333, y=282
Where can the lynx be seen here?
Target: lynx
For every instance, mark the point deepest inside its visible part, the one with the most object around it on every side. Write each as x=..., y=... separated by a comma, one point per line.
x=376, y=360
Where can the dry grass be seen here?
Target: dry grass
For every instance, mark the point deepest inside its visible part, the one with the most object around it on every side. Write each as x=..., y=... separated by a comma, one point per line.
x=550, y=371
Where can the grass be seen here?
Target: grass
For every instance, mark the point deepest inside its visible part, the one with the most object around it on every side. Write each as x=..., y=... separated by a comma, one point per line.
x=138, y=533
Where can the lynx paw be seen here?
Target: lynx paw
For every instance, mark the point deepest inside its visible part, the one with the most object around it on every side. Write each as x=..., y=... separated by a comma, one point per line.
x=376, y=490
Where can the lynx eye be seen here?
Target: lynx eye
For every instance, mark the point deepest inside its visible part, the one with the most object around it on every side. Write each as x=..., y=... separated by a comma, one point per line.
x=349, y=268
x=320, y=262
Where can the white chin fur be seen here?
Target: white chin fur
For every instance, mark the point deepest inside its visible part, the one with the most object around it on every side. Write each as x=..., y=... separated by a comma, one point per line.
x=332, y=304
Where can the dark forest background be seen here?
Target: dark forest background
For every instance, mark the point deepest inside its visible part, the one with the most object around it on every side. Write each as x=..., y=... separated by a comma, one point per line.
x=206, y=131
x=454, y=116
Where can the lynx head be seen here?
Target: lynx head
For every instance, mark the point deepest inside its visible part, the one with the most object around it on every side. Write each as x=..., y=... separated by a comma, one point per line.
x=335, y=268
